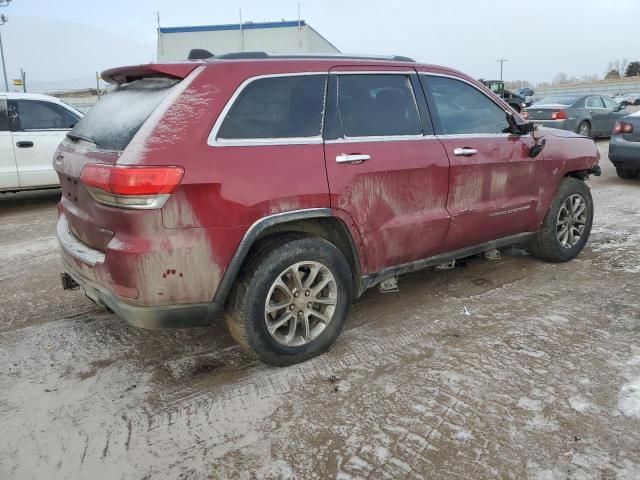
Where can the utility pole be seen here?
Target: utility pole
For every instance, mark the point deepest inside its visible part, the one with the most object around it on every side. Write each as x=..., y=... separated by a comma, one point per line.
x=501, y=62
x=23, y=75
x=3, y=19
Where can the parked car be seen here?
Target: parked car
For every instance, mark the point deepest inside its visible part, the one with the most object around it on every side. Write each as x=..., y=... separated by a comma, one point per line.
x=588, y=115
x=517, y=102
x=527, y=94
x=31, y=127
x=278, y=189
x=624, y=147
x=629, y=99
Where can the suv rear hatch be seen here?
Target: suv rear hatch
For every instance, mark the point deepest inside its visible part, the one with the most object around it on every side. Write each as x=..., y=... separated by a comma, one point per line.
x=86, y=161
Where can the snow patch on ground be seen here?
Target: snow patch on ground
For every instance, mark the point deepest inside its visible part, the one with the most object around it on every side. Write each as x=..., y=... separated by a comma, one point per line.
x=580, y=404
x=29, y=248
x=629, y=397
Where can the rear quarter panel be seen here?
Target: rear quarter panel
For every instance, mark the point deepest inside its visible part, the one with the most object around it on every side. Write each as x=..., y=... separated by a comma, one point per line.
x=225, y=189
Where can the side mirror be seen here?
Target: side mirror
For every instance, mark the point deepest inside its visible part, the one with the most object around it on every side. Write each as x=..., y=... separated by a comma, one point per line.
x=620, y=107
x=518, y=127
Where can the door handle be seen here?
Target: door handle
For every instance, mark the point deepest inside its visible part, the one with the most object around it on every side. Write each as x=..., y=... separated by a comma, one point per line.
x=464, y=152
x=24, y=144
x=352, y=158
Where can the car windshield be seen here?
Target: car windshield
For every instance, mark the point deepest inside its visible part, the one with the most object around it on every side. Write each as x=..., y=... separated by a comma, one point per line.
x=558, y=100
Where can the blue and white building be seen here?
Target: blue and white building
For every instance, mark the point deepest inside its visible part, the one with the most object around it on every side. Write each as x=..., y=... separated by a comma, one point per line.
x=174, y=43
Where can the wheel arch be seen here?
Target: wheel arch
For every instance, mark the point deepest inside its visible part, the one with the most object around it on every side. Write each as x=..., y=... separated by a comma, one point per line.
x=317, y=222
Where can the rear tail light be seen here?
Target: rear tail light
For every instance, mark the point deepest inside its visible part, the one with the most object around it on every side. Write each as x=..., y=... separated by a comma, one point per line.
x=622, y=128
x=525, y=115
x=131, y=187
x=561, y=115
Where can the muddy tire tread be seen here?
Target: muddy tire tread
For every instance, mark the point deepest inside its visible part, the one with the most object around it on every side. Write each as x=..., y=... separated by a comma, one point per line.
x=239, y=305
x=545, y=244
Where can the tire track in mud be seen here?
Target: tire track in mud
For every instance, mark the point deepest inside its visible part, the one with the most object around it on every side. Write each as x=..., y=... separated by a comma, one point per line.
x=418, y=331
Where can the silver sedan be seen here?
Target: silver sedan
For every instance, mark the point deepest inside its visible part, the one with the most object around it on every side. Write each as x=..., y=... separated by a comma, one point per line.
x=588, y=115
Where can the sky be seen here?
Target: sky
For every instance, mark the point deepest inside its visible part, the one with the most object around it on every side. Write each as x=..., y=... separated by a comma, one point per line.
x=62, y=43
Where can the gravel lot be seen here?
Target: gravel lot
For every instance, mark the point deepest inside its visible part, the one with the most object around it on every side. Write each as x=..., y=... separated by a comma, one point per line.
x=500, y=369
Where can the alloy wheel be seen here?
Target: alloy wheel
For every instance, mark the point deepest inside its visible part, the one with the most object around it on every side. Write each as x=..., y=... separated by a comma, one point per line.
x=571, y=221
x=301, y=303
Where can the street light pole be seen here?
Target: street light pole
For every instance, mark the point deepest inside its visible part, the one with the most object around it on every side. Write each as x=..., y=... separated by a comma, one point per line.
x=501, y=62
x=3, y=19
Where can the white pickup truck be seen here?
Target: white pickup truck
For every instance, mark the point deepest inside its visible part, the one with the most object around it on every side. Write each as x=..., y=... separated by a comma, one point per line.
x=31, y=127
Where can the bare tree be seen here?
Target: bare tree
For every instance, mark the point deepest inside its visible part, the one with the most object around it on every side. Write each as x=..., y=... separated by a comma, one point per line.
x=613, y=74
x=619, y=65
x=559, y=79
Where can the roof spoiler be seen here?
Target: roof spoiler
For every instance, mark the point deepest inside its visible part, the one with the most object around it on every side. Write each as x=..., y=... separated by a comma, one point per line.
x=121, y=75
x=199, y=54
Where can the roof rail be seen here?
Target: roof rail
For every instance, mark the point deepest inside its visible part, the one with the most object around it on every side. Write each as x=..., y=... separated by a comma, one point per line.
x=259, y=55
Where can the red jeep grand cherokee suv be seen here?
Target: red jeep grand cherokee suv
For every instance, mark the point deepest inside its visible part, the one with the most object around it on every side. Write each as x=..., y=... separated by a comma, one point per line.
x=278, y=189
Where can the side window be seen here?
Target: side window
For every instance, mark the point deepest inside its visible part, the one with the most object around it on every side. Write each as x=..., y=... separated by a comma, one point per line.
x=609, y=103
x=277, y=107
x=14, y=118
x=4, y=115
x=41, y=115
x=371, y=105
x=463, y=109
x=594, y=102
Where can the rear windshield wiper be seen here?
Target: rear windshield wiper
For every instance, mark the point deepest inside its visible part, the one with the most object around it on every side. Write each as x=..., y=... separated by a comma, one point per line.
x=75, y=137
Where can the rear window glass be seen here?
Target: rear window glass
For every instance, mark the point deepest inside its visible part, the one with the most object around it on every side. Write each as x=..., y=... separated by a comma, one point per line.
x=557, y=100
x=277, y=107
x=117, y=117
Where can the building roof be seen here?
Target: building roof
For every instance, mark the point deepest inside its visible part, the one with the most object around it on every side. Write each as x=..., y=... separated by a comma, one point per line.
x=233, y=26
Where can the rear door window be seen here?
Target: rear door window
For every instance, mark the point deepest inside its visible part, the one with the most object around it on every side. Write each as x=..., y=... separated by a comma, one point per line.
x=377, y=105
x=594, y=102
x=276, y=108
x=463, y=109
x=116, y=118
x=41, y=115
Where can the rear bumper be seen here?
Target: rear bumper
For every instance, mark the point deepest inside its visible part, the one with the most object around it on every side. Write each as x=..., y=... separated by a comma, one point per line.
x=78, y=258
x=155, y=317
x=623, y=153
x=568, y=124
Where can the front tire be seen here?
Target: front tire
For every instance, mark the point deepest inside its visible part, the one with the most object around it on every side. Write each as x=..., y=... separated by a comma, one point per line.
x=567, y=226
x=291, y=300
x=626, y=173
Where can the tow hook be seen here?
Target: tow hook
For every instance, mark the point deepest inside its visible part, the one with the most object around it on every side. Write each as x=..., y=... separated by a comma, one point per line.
x=68, y=283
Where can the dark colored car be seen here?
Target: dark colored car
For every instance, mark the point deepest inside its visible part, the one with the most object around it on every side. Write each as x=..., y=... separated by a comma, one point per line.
x=588, y=115
x=525, y=92
x=624, y=147
x=515, y=101
x=279, y=189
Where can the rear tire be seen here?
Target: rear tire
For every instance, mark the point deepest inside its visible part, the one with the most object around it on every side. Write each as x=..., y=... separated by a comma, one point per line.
x=566, y=227
x=584, y=129
x=279, y=307
x=626, y=173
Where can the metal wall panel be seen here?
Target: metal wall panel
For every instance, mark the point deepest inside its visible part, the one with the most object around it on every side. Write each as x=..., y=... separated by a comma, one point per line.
x=176, y=46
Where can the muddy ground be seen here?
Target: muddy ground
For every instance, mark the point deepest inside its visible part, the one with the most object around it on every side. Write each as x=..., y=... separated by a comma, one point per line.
x=501, y=369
